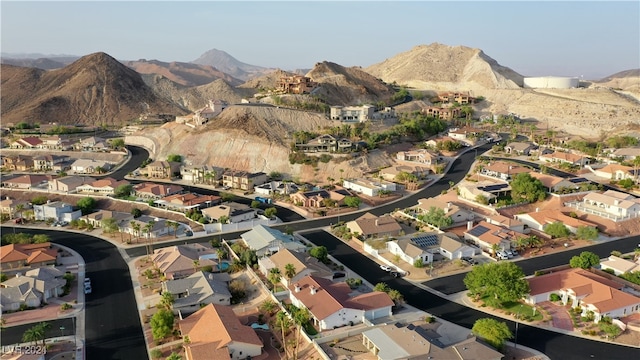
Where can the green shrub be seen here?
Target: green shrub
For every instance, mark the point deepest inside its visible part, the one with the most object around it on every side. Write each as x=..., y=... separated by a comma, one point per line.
x=554, y=297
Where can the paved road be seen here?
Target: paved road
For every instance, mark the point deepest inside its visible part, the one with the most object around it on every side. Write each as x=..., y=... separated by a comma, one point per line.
x=554, y=345
x=112, y=322
x=453, y=284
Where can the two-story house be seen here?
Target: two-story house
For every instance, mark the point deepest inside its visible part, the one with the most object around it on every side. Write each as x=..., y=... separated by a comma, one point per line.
x=161, y=169
x=243, y=180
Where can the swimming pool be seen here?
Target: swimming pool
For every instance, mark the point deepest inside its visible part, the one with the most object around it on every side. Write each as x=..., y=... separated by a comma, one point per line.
x=223, y=266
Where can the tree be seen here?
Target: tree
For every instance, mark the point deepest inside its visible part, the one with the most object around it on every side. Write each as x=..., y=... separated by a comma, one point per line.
x=268, y=307
x=174, y=158
x=524, y=186
x=31, y=335
x=502, y=282
x=39, y=200
x=352, y=201
x=585, y=260
x=289, y=271
x=383, y=287
x=255, y=204
x=283, y=322
x=557, y=230
x=270, y=212
x=86, y=205
x=587, y=232
x=223, y=219
x=436, y=217
x=300, y=317
x=123, y=191
x=492, y=331
x=136, y=213
x=117, y=143
x=320, y=252
x=162, y=324
x=109, y=225
x=274, y=276
x=167, y=300
x=19, y=209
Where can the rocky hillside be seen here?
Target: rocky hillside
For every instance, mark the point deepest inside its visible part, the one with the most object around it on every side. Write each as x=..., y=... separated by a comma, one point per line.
x=628, y=80
x=339, y=85
x=444, y=68
x=186, y=74
x=96, y=89
x=267, y=81
x=230, y=65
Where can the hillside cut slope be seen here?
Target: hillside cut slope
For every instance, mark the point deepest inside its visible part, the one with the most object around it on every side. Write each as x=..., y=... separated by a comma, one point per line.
x=339, y=85
x=442, y=67
x=96, y=89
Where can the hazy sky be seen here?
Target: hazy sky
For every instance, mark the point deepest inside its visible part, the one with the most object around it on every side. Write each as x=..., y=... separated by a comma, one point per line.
x=593, y=39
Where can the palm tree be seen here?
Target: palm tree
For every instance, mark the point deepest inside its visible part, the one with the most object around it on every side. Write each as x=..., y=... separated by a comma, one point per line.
x=31, y=335
x=167, y=300
x=300, y=317
x=135, y=227
x=289, y=271
x=268, y=306
x=196, y=264
x=274, y=277
x=221, y=253
x=495, y=248
x=20, y=209
x=284, y=323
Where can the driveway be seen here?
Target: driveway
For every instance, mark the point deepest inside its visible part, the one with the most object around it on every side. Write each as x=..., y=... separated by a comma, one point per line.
x=559, y=315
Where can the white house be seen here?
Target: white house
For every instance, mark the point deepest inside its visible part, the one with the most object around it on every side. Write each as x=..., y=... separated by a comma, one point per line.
x=56, y=210
x=331, y=304
x=619, y=265
x=265, y=240
x=369, y=187
x=89, y=166
x=611, y=204
x=352, y=113
x=581, y=288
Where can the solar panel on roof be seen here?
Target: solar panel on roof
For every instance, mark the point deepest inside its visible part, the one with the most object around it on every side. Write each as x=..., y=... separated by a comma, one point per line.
x=425, y=241
x=477, y=231
x=578, y=180
x=496, y=187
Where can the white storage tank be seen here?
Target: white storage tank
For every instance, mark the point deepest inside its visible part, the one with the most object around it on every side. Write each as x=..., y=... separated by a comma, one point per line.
x=551, y=82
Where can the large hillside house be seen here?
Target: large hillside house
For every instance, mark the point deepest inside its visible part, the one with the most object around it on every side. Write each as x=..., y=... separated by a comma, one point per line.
x=243, y=180
x=326, y=143
x=456, y=97
x=296, y=84
x=352, y=113
x=444, y=113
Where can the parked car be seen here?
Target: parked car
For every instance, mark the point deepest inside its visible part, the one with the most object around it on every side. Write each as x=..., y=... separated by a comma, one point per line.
x=510, y=253
x=87, y=281
x=87, y=289
x=338, y=275
x=467, y=260
x=396, y=274
x=385, y=267
x=502, y=255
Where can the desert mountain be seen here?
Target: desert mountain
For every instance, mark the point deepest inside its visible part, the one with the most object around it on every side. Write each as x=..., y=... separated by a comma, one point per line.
x=339, y=85
x=443, y=67
x=187, y=74
x=626, y=80
x=230, y=65
x=96, y=89
x=41, y=63
x=193, y=98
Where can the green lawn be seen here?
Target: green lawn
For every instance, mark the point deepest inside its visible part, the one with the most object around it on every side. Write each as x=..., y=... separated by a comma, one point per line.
x=522, y=311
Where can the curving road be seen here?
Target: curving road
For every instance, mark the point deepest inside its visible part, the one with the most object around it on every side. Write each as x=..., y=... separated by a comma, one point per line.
x=112, y=322
x=553, y=344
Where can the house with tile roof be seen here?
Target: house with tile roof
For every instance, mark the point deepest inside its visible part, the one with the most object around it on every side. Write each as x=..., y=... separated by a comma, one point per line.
x=89, y=166
x=188, y=201
x=215, y=332
x=18, y=162
x=29, y=142
x=616, y=172
x=92, y=143
x=177, y=261
x=424, y=246
x=556, y=183
x=390, y=173
x=581, y=288
x=627, y=154
x=198, y=289
x=15, y=256
x=566, y=158
x=486, y=235
x=611, y=204
x=11, y=206
x=519, y=148
x=372, y=226
x=104, y=186
x=56, y=142
x=148, y=227
x=265, y=240
x=122, y=219
x=619, y=265
x=69, y=184
x=489, y=190
x=316, y=198
x=422, y=156
x=409, y=252
x=57, y=210
x=506, y=222
x=33, y=288
x=243, y=180
x=399, y=341
x=458, y=214
x=503, y=170
x=369, y=187
x=232, y=211
x=303, y=263
x=538, y=220
x=331, y=304
x=148, y=190
x=26, y=181
x=50, y=162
